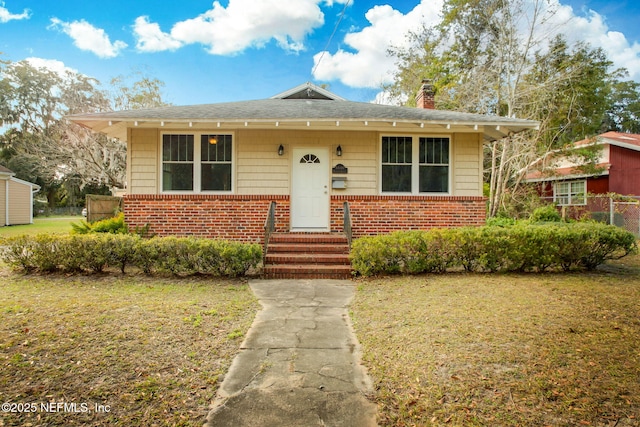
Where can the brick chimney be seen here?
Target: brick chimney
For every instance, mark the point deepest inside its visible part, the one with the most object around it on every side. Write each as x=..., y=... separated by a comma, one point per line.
x=426, y=96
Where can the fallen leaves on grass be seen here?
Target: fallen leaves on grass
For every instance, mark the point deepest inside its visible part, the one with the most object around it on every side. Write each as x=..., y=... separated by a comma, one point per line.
x=509, y=350
x=151, y=351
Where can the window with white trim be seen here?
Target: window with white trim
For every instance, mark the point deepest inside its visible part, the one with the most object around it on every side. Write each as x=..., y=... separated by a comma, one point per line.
x=396, y=164
x=415, y=168
x=215, y=156
x=177, y=162
x=191, y=167
x=434, y=165
x=568, y=193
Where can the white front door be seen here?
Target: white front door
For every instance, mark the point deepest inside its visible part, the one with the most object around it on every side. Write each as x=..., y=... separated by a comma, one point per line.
x=310, y=189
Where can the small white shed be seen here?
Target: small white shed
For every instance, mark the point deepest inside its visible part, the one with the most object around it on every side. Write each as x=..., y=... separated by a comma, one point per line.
x=16, y=199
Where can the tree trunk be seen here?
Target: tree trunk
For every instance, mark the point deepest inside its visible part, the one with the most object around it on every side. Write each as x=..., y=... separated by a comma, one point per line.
x=492, y=178
x=500, y=180
x=52, y=198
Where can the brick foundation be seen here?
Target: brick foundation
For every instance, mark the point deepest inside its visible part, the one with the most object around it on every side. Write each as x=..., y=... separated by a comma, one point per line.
x=242, y=217
x=372, y=215
x=231, y=217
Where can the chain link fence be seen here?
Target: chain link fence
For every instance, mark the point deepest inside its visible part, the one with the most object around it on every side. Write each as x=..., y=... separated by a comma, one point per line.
x=622, y=211
x=41, y=210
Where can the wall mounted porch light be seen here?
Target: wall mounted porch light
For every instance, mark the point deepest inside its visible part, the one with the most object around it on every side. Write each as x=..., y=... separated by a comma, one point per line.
x=280, y=150
x=339, y=151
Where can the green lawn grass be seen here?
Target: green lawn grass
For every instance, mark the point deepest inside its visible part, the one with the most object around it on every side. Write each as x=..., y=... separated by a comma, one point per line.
x=53, y=224
x=504, y=350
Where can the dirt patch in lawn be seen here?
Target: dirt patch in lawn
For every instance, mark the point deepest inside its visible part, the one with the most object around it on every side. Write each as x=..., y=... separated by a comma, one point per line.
x=116, y=350
x=508, y=350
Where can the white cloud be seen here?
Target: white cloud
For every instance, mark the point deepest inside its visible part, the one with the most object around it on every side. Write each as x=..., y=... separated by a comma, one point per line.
x=246, y=23
x=87, y=37
x=240, y=25
x=151, y=38
x=54, y=65
x=6, y=16
x=593, y=29
x=590, y=27
x=366, y=63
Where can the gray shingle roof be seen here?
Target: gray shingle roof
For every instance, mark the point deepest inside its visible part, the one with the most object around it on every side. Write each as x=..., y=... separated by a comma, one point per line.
x=292, y=110
x=299, y=109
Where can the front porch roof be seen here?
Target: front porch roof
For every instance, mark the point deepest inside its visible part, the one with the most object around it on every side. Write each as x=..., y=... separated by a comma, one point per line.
x=295, y=113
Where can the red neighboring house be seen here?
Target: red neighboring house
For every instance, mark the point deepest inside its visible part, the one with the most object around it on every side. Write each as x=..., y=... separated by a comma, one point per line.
x=580, y=193
x=617, y=171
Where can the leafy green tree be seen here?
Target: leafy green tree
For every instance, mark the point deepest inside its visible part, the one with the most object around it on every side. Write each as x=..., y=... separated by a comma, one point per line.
x=42, y=147
x=501, y=57
x=136, y=91
x=30, y=112
x=578, y=93
x=624, y=112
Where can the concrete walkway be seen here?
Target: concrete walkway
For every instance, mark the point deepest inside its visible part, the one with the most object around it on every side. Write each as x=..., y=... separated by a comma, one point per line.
x=299, y=363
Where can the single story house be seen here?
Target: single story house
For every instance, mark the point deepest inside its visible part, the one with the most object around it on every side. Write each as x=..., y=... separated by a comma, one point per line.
x=16, y=199
x=214, y=170
x=616, y=170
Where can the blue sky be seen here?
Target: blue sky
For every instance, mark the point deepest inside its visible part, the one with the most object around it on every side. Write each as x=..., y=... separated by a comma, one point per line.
x=232, y=50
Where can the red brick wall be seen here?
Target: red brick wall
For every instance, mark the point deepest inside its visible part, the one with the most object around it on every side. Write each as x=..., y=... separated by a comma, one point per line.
x=372, y=215
x=232, y=217
x=237, y=217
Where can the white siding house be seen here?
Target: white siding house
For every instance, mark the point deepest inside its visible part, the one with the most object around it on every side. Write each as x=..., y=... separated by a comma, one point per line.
x=213, y=170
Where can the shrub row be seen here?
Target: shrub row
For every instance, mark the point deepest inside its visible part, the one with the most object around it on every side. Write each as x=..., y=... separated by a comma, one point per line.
x=521, y=247
x=95, y=252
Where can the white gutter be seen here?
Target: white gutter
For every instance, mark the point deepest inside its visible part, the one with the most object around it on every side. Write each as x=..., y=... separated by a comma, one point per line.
x=31, y=206
x=34, y=189
x=6, y=202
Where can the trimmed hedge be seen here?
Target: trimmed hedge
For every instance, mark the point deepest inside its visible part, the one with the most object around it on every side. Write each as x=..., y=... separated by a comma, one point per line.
x=521, y=247
x=96, y=251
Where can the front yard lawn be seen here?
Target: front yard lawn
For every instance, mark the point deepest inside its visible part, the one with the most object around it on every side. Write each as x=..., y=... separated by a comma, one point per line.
x=118, y=350
x=51, y=225
x=504, y=350
x=555, y=349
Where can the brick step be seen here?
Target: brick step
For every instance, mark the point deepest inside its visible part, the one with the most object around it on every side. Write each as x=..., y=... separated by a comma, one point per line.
x=307, y=255
x=304, y=271
x=307, y=258
x=308, y=248
x=308, y=238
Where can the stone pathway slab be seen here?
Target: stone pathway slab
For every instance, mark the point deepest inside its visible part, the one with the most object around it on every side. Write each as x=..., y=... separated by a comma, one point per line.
x=299, y=363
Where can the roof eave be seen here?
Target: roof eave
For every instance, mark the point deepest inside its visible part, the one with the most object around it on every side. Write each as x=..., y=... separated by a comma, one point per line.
x=567, y=177
x=492, y=130
x=620, y=144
